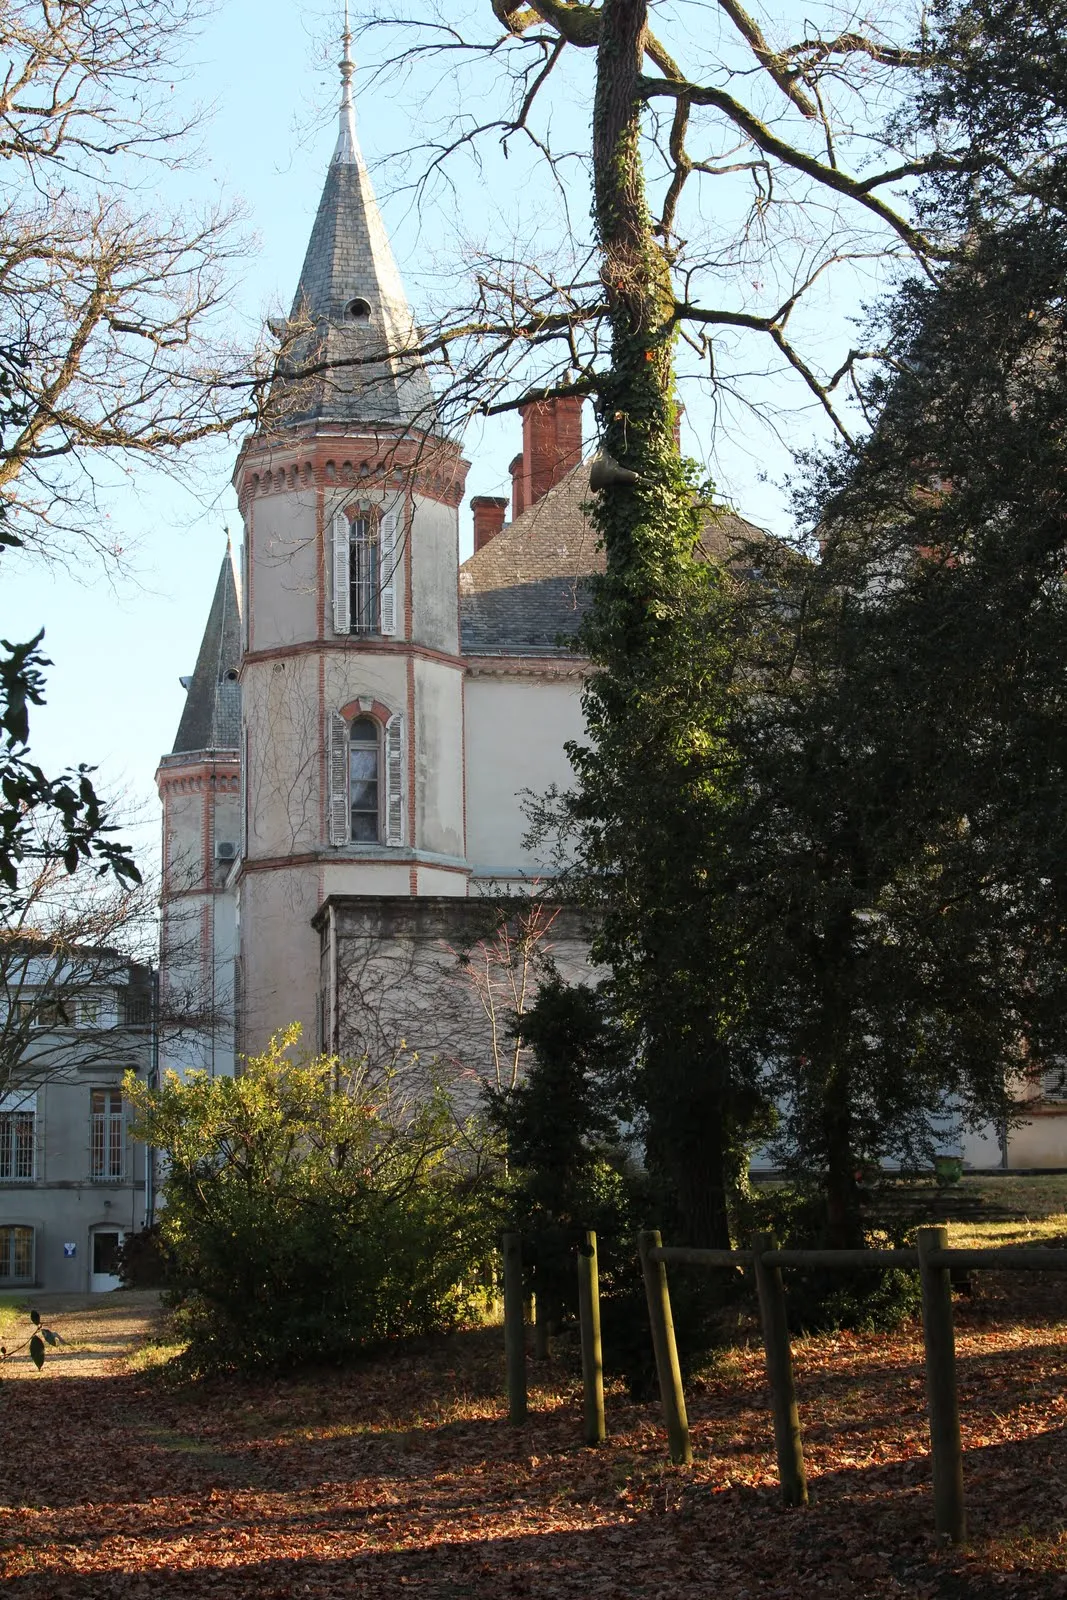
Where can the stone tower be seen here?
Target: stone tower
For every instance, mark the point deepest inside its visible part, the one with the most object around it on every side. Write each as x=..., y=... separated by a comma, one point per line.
x=199, y=786
x=351, y=676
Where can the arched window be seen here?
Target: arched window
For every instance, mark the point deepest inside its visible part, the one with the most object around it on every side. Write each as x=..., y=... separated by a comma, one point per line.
x=357, y=311
x=363, y=779
x=364, y=575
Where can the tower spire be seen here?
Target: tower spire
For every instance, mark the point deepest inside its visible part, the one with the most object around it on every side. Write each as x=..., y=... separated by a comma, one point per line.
x=347, y=151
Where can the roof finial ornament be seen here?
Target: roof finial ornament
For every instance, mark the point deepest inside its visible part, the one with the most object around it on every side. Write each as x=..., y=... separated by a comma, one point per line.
x=346, y=153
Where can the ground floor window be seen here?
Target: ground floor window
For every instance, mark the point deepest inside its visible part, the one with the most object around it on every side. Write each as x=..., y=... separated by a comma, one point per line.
x=16, y=1255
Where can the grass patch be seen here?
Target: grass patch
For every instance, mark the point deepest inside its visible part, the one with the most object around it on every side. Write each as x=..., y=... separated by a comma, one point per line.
x=12, y=1315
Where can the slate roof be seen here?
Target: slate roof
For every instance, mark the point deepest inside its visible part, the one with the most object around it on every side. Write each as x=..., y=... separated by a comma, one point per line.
x=211, y=719
x=526, y=591
x=349, y=261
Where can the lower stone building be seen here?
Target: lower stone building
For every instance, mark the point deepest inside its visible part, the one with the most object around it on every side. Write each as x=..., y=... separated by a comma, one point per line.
x=72, y=1181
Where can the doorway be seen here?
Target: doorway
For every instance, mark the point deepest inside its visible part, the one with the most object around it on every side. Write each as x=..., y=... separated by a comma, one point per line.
x=104, y=1260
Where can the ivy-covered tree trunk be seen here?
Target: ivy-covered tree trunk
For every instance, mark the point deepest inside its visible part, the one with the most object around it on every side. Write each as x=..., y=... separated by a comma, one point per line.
x=648, y=777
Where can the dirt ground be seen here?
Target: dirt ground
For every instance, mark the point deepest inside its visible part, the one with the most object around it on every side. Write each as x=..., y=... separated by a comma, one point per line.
x=98, y=1331
x=402, y=1475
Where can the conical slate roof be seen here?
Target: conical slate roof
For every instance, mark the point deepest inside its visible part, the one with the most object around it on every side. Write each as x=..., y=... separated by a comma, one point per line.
x=351, y=301
x=212, y=716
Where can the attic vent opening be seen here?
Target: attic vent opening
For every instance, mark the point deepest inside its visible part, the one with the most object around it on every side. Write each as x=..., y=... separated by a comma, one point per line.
x=357, y=311
x=231, y=676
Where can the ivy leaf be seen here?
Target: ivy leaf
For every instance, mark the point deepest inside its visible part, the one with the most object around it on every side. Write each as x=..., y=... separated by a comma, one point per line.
x=35, y=1318
x=37, y=1351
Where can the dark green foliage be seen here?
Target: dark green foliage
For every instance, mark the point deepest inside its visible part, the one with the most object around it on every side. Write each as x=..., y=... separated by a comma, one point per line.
x=310, y=1215
x=906, y=759
x=820, y=1299
x=568, y=1168
x=143, y=1259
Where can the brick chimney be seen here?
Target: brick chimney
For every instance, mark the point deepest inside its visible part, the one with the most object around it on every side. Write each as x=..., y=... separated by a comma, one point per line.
x=518, y=488
x=551, y=446
x=489, y=513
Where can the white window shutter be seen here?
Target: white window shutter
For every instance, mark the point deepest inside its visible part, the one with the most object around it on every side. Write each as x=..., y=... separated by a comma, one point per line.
x=342, y=603
x=394, y=779
x=389, y=552
x=337, y=778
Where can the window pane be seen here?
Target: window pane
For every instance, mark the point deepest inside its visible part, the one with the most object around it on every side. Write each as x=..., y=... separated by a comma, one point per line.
x=363, y=576
x=16, y=1144
x=364, y=762
x=364, y=826
x=365, y=796
x=106, y=1253
x=16, y=1254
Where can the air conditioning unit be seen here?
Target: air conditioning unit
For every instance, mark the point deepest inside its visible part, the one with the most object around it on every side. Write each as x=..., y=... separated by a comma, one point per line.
x=225, y=850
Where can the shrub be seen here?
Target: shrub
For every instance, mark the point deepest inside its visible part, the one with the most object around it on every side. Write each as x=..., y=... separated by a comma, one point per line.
x=310, y=1213
x=875, y=1299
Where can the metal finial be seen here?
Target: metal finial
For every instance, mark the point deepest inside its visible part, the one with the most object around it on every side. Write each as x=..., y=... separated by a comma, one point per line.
x=346, y=138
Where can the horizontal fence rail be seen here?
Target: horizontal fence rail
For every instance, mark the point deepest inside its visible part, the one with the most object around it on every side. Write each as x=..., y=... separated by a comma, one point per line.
x=1003, y=1258
x=934, y=1261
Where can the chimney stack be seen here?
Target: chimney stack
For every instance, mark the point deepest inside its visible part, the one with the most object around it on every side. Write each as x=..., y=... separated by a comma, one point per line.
x=551, y=446
x=489, y=513
x=518, y=488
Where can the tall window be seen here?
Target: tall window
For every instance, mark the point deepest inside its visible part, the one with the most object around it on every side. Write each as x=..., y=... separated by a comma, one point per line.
x=364, y=575
x=105, y=1134
x=16, y=1146
x=16, y=1255
x=363, y=778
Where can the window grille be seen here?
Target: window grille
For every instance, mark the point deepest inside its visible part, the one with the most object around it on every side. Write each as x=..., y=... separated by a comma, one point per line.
x=363, y=779
x=105, y=1135
x=16, y=1255
x=138, y=1008
x=16, y=1146
x=364, y=575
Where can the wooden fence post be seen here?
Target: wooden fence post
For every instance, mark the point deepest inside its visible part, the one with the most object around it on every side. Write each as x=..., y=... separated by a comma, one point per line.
x=514, y=1330
x=950, y=1516
x=787, y=1438
x=666, y=1351
x=592, y=1355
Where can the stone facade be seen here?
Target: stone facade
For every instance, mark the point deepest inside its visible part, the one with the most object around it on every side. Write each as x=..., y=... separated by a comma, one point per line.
x=72, y=1182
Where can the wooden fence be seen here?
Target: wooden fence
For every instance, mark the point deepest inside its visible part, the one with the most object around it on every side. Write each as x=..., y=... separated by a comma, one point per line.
x=935, y=1262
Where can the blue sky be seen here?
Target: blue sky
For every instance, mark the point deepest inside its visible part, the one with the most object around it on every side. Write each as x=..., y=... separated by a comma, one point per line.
x=119, y=645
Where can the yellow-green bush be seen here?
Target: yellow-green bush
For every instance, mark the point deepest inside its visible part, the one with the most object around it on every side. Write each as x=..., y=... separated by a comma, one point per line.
x=310, y=1213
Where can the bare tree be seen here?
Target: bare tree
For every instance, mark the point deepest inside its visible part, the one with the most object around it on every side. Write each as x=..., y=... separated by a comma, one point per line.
x=774, y=179
x=112, y=338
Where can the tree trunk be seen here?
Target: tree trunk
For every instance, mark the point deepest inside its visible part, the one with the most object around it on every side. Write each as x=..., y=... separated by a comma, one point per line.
x=844, y=1223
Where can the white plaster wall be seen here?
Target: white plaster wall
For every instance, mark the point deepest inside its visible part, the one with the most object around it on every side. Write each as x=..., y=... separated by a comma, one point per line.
x=439, y=758
x=515, y=732
x=1041, y=1141
x=353, y=673
x=281, y=535
x=284, y=779
x=435, y=576
x=279, y=954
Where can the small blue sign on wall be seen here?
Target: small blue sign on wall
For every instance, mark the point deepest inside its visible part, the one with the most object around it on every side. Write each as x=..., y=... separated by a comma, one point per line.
x=70, y=1250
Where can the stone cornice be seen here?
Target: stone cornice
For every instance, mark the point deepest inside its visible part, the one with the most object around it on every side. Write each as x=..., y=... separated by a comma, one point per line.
x=374, y=459
x=561, y=667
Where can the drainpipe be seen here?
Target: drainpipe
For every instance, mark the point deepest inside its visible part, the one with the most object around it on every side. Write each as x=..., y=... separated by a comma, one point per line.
x=153, y=1083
